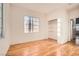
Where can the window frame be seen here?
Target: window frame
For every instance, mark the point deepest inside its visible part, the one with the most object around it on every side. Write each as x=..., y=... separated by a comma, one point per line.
x=26, y=30
x=1, y=18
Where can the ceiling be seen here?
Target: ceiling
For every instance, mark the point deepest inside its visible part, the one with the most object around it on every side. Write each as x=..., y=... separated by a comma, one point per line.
x=46, y=7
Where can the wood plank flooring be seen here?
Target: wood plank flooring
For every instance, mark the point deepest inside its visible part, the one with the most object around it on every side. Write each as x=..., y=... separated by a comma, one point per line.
x=46, y=47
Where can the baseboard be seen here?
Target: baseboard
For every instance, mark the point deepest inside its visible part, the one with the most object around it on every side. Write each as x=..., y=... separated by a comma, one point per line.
x=28, y=41
x=51, y=38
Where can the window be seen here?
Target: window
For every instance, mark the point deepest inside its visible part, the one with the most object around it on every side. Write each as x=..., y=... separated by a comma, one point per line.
x=31, y=24
x=1, y=20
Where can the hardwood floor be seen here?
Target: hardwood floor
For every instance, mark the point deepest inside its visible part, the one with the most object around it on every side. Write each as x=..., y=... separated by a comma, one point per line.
x=46, y=47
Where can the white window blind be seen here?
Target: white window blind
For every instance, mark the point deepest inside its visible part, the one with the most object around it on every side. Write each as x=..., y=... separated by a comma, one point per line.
x=31, y=24
x=1, y=20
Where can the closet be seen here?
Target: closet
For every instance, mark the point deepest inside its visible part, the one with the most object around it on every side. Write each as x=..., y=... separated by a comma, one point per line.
x=52, y=29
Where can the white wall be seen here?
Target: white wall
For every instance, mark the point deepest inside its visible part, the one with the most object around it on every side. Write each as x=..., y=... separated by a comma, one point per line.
x=4, y=42
x=62, y=15
x=74, y=13
x=17, y=26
